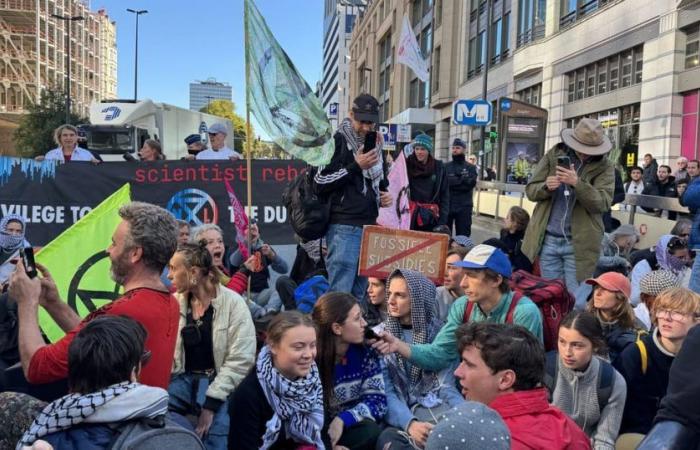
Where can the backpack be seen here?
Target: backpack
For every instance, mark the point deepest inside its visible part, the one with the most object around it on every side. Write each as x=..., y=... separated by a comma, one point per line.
x=643, y=355
x=308, y=292
x=153, y=434
x=606, y=378
x=509, y=315
x=308, y=212
x=552, y=298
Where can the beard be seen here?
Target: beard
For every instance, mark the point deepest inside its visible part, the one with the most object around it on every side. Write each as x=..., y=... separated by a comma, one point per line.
x=120, y=267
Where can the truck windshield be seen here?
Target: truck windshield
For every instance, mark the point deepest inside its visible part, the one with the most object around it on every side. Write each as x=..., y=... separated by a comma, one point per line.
x=110, y=141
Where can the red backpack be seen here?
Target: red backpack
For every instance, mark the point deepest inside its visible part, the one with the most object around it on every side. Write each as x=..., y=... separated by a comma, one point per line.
x=552, y=298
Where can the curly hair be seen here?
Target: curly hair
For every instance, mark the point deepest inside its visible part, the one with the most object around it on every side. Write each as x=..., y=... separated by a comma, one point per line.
x=153, y=229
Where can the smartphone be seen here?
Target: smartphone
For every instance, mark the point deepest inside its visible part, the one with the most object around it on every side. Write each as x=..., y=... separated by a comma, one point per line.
x=370, y=141
x=370, y=334
x=27, y=255
x=564, y=161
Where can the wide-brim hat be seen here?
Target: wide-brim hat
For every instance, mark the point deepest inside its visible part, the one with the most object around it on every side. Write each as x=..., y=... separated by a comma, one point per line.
x=588, y=138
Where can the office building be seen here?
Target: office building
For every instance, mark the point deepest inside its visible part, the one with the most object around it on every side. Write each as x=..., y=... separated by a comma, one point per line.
x=202, y=92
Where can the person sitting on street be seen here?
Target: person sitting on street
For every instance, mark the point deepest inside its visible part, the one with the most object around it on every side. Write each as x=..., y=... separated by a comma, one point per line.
x=577, y=379
x=309, y=262
x=653, y=284
x=105, y=362
x=66, y=137
x=215, y=343
x=471, y=425
x=12, y=231
x=617, y=246
x=611, y=306
x=487, y=297
x=502, y=366
x=670, y=253
x=428, y=187
x=354, y=397
x=142, y=244
x=511, y=238
x=261, y=293
x=375, y=301
x=279, y=404
x=451, y=288
x=646, y=365
x=415, y=397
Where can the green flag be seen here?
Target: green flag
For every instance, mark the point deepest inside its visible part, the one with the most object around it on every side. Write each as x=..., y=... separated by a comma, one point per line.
x=282, y=102
x=79, y=263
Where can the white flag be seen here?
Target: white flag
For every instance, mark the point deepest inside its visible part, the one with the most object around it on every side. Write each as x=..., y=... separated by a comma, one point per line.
x=409, y=53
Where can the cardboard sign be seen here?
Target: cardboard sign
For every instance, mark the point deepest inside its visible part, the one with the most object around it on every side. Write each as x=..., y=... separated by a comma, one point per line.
x=386, y=249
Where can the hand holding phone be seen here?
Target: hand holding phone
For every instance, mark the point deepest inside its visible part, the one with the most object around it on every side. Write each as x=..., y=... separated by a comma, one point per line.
x=564, y=161
x=27, y=255
x=370, y=334
x=370, y=141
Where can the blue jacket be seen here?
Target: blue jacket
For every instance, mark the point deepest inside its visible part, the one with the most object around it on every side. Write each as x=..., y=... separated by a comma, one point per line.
x=91, y=436
x=691, y=199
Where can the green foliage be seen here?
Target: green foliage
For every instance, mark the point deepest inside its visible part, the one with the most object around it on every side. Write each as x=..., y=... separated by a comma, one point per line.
x=227, y=110
x=34, y=136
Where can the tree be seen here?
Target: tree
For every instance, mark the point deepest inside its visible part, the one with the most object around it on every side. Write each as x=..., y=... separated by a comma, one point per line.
x=227, y=110
x=34, y=136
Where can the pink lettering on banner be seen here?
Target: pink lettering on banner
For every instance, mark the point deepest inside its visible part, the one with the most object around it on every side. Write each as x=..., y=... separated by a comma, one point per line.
x=240, y=220
x=397, y=215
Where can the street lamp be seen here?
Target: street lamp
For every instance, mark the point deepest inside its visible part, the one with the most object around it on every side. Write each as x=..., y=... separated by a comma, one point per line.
x=67, y=20
x=137, y=12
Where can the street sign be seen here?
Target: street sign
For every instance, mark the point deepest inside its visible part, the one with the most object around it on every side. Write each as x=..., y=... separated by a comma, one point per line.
x=403, y=133
x=333, y=110
x=388, y=132
x=506, y=104
x=385, y=249
x=471, y=112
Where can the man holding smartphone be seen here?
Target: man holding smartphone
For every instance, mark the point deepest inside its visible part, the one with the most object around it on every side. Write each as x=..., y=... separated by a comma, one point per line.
x=573, y=186
x=355, y=182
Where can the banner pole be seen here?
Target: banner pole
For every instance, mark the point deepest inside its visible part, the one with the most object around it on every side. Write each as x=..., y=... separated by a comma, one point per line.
x=247, y=126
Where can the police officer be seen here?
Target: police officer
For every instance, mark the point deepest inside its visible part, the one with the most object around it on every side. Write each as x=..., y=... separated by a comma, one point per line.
x=461, y=178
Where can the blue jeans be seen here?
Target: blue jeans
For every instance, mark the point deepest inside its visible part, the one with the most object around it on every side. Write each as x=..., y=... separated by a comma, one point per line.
x=557, y=261
x=182, y=389
x=694, y=284
x=343, y=259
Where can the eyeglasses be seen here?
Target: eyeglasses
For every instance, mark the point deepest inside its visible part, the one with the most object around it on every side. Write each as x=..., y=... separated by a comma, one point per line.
x=212, y=134
x=673, y=315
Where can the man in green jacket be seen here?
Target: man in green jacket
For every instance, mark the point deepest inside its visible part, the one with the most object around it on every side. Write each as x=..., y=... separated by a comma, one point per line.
x=573, y=186
x=485, y=284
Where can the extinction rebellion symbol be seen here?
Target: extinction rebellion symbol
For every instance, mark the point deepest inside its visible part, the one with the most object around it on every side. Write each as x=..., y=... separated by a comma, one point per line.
x=194, y=206
x=79, y=289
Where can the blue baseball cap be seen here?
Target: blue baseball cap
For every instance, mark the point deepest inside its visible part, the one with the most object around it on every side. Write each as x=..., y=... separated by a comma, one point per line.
x=486, y=257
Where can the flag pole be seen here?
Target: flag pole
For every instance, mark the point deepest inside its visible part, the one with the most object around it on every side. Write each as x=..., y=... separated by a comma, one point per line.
x=249, y=188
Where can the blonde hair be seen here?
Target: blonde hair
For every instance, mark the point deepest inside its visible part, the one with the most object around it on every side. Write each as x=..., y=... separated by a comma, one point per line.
x=677, y=299
x=59, y=130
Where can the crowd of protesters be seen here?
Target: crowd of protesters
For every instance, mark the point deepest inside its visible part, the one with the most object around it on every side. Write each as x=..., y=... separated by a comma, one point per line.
x=202, y=345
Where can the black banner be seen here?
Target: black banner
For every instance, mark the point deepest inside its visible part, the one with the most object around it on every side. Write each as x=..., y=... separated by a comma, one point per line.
x=193, y=191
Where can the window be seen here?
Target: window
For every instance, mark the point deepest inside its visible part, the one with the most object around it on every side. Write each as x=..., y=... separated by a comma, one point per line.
x=438, y=13
x=572, y=88
x=384, y=76
x=614, y=71
x=692, y=47
x=617, y=71
x=531, y=95
x=413, y=93
x=531, y=20
x=602, y=76
x=590, y=80
x=499, y=39
x=349, y=23
x=627, y=68
x=580, y=80
x=573, y=10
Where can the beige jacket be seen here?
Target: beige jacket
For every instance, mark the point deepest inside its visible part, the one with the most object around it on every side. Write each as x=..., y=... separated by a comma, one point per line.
x=234, y=342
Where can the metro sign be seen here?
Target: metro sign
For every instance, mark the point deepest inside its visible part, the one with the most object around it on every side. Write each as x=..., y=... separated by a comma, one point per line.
x=471, y=112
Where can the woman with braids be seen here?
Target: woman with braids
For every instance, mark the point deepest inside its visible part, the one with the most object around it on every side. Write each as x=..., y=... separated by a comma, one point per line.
x=279, y=404
x=351, y=374
x=215, y=345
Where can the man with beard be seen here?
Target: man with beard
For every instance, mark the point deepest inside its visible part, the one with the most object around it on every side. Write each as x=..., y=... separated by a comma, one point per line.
x=142, y=245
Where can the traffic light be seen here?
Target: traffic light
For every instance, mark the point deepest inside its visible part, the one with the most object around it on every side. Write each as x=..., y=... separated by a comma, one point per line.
x=493, y=135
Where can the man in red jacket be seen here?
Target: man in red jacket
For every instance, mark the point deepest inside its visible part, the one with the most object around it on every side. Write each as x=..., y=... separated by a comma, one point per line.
x=502, y=366
x=142, y=245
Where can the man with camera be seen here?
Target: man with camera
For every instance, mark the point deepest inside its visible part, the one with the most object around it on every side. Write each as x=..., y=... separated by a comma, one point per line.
x=355, y=182
x=142, y=245
x=573, y=186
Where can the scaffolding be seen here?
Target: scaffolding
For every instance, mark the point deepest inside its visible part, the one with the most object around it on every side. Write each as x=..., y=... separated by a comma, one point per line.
x=33, y=53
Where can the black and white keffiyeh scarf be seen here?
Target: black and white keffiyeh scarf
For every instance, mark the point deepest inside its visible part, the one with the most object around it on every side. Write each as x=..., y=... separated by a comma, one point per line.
x=116, y=403
x=413, y=383
x=375, y=173
x=297, y=404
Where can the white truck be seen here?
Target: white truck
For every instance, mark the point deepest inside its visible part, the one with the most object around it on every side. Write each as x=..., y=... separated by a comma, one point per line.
x=119, y=128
